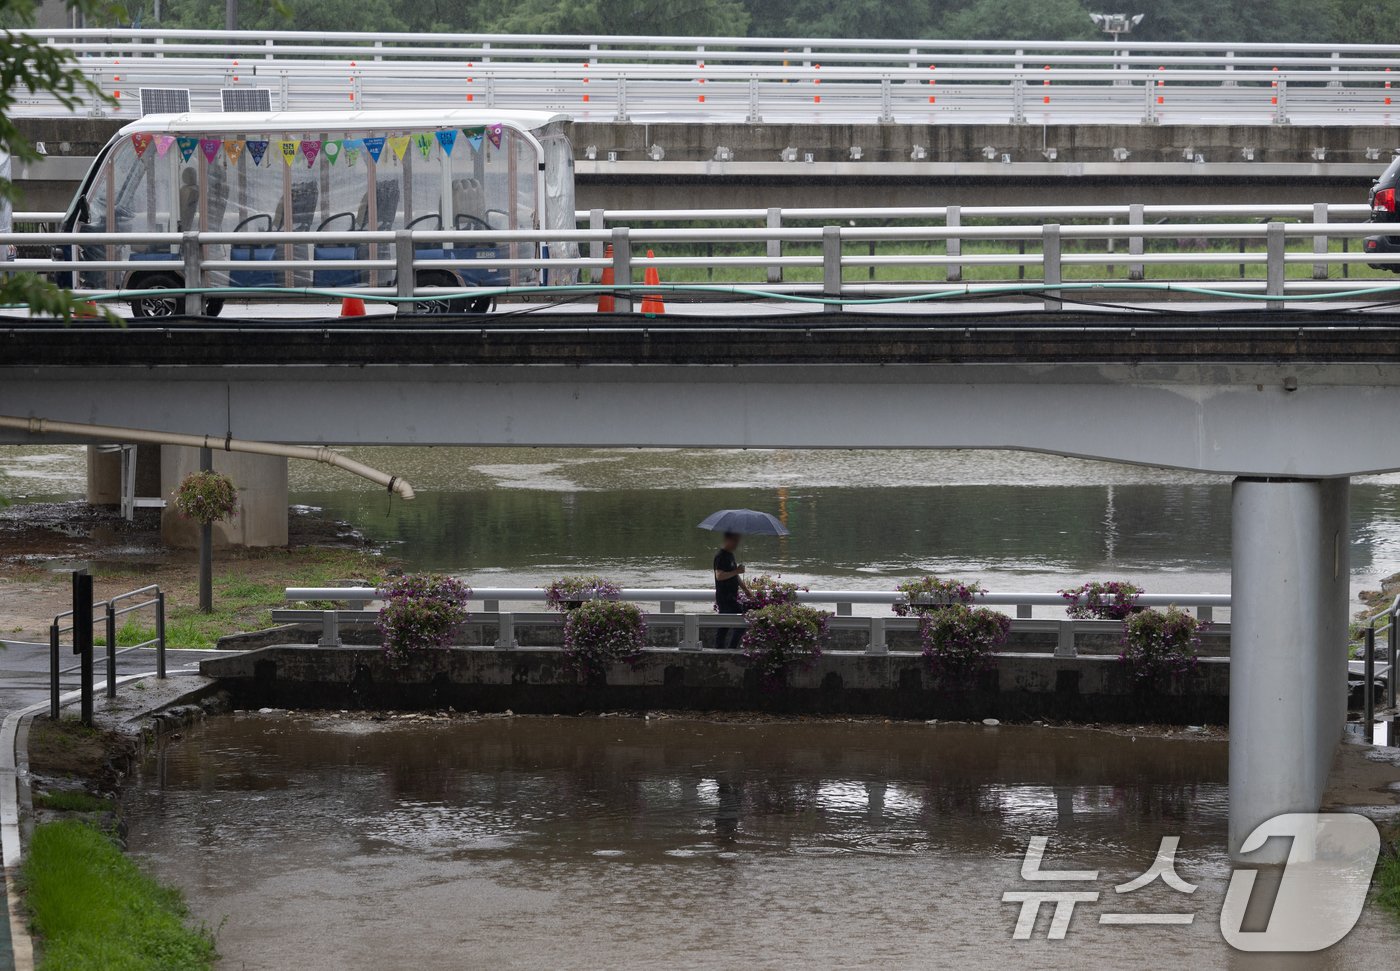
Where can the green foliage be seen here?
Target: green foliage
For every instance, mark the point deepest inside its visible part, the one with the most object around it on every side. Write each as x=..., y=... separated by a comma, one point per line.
x=1021, y=20
x=73, y=802
x=1387, y=878
x=782, y=636
x=958, y=641
x=93, y=908
x=1160, y=645
x=601, y=632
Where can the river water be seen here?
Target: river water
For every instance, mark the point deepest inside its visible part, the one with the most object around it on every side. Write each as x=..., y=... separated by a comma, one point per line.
x=1016, y=521
x=332, y=842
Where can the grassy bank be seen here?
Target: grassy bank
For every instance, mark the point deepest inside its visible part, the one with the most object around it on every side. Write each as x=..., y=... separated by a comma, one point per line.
x=93, y=908
x=1387, y=878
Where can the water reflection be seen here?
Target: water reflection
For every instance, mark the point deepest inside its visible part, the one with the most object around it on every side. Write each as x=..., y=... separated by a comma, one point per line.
x=624, y=843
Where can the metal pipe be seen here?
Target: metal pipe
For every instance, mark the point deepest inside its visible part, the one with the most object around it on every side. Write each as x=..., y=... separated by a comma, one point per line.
x=112, y=433
x=1368, y=704
x=111, y=645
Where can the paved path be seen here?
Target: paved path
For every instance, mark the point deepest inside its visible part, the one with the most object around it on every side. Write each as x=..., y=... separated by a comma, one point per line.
x=24, y=670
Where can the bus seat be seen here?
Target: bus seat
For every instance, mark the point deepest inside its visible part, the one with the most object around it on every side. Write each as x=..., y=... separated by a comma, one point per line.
x=259, y=222
x=341, y=221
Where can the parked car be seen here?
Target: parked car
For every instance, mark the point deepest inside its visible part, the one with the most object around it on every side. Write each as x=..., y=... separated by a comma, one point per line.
x=1383, y=211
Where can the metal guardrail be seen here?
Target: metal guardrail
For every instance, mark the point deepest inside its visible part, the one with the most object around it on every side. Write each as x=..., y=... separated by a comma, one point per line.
x=750, y=79
x=829, y=254
x=118, y=606
x=1391, y=629
x=691, y=623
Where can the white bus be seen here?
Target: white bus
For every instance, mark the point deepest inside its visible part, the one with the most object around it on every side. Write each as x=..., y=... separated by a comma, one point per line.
x=467, y=169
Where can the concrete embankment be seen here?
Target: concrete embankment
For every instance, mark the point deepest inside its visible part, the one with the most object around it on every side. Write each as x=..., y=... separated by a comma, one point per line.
x=1020, y=686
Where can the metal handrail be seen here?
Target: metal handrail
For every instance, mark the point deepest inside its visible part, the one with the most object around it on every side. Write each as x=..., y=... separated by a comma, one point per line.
x=110, y=611
x=751, y=78
x=1392, y=631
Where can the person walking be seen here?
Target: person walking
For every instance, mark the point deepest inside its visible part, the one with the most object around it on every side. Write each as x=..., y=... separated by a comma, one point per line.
x=729, y=583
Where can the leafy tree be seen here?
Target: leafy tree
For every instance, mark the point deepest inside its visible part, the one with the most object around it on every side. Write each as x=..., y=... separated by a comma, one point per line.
x=697, y=18
x=1020, y=20
x=27, y=65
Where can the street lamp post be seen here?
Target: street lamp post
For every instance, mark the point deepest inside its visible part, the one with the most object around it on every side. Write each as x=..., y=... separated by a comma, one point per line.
x=1116, y=24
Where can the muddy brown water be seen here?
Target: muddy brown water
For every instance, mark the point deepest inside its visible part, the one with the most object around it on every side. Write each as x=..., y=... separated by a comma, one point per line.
x=341, y=842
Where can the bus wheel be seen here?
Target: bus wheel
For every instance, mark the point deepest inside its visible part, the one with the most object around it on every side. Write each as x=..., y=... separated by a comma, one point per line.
x=440, y=305
x=481, y=305
x=153, y=306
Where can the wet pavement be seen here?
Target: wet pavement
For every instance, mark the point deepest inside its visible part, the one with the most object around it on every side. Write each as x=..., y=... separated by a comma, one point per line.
x=338, y=841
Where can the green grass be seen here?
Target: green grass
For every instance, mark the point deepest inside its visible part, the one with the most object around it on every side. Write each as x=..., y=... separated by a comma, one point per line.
x=1387, y=879
x=93, y=908
x=73, y=802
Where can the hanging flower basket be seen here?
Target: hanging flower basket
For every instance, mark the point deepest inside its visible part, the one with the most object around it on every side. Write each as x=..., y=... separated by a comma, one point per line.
x=931, y=593
x=765, y=591
x=1160, y=646
x=1102, y=600
x=959, y=641
x=781, y=637
x=600, y=632
x=569, y=593
x=206, y=497
x=421, y=612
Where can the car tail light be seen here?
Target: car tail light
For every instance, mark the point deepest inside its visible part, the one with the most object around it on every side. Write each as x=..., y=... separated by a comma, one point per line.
x=1383, y=200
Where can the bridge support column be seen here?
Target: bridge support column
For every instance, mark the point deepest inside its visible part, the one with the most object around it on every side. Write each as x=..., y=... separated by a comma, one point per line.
x=1288, y=621
x=262, y=498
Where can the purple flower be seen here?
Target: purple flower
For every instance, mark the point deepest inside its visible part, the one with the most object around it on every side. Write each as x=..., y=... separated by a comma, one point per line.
x=958, y=640
x=599, y=632
x=781, y=636
x=930, y=593
x=420, y=612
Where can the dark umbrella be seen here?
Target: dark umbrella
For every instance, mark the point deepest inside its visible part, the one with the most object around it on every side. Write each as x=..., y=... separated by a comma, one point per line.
x=745, y=522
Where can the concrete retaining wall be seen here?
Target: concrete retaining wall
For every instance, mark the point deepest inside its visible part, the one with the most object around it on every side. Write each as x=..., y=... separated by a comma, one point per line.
x=1020, y=687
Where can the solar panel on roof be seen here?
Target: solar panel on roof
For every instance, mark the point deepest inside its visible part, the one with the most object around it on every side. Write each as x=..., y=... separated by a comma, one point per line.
x=164, y=101
x=247, y=99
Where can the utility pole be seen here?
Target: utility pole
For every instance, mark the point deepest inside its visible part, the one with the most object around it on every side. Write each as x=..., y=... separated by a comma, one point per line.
x=206, y=538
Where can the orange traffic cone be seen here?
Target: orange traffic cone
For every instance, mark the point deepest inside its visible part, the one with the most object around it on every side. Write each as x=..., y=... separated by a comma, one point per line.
x=606, y=302
x=651, y=302
x=86, y=310
x=352, y=307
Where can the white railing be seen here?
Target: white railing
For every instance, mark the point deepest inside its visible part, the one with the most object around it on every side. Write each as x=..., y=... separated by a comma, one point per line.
x=751, y=79
x=835, y=265
x=875, y=627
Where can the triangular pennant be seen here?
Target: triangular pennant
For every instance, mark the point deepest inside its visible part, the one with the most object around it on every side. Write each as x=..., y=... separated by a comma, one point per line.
x=289, y=149
x=475, y=136
x=257, y=148
x=163, y=143
x=141, y=141
x=353, y=147
x=493, y=132
x=331, y=149
x=233, y=148
x=374, y=146
x=425, y=142
x=399, y=145
x=187, y=143
x=310, y=148
x=210, y=147
x=447, y=139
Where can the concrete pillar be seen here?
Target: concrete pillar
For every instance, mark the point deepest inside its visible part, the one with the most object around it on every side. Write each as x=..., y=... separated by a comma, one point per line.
x=262, y=498
x=1287, y=647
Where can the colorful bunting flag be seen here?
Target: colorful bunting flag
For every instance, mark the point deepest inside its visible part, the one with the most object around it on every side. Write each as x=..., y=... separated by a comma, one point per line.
x=353, y=147
x=493, y=132
x=475, y=136
x=141, y=141
x=289, y=149
x=187, y=144
x=257, y=148
x=331, y=149
x=233, y=148
x=447, y=139
x=374, y=146
x=310, y=148
x=424, y=141
x=399, y=145
x=163, y=143
x=210, y=147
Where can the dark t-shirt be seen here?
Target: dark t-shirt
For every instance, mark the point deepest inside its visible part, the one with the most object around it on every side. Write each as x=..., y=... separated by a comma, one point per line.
x=726, y=591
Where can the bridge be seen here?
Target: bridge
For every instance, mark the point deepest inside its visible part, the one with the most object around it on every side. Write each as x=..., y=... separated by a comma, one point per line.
x=774, y=121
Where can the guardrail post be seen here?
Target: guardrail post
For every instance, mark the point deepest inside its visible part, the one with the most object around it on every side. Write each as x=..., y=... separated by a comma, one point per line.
x=330, y=629
x=1149, y=109
x=597, y=222
x=621, y=116
x=1135, y=215
x=1275, y=268
x=1320, y=246
x=754, y=117
x=111, y=628
x=831, y=267
x=505, y=633
x=953, y=220
x=775, y=246
x=622, y=268
x=403, y=266
x=491, y=606
x=1393, y=636
x=53, y=672
x=1018, y=101
x=160, y=634
x=1205, y=613
x=1281, y=102
x=1368, y=703
x=690, y=632
x=194, y=273
x=878, y=644
x=1050, y=261
x=1064, y=645
x=886, y=101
